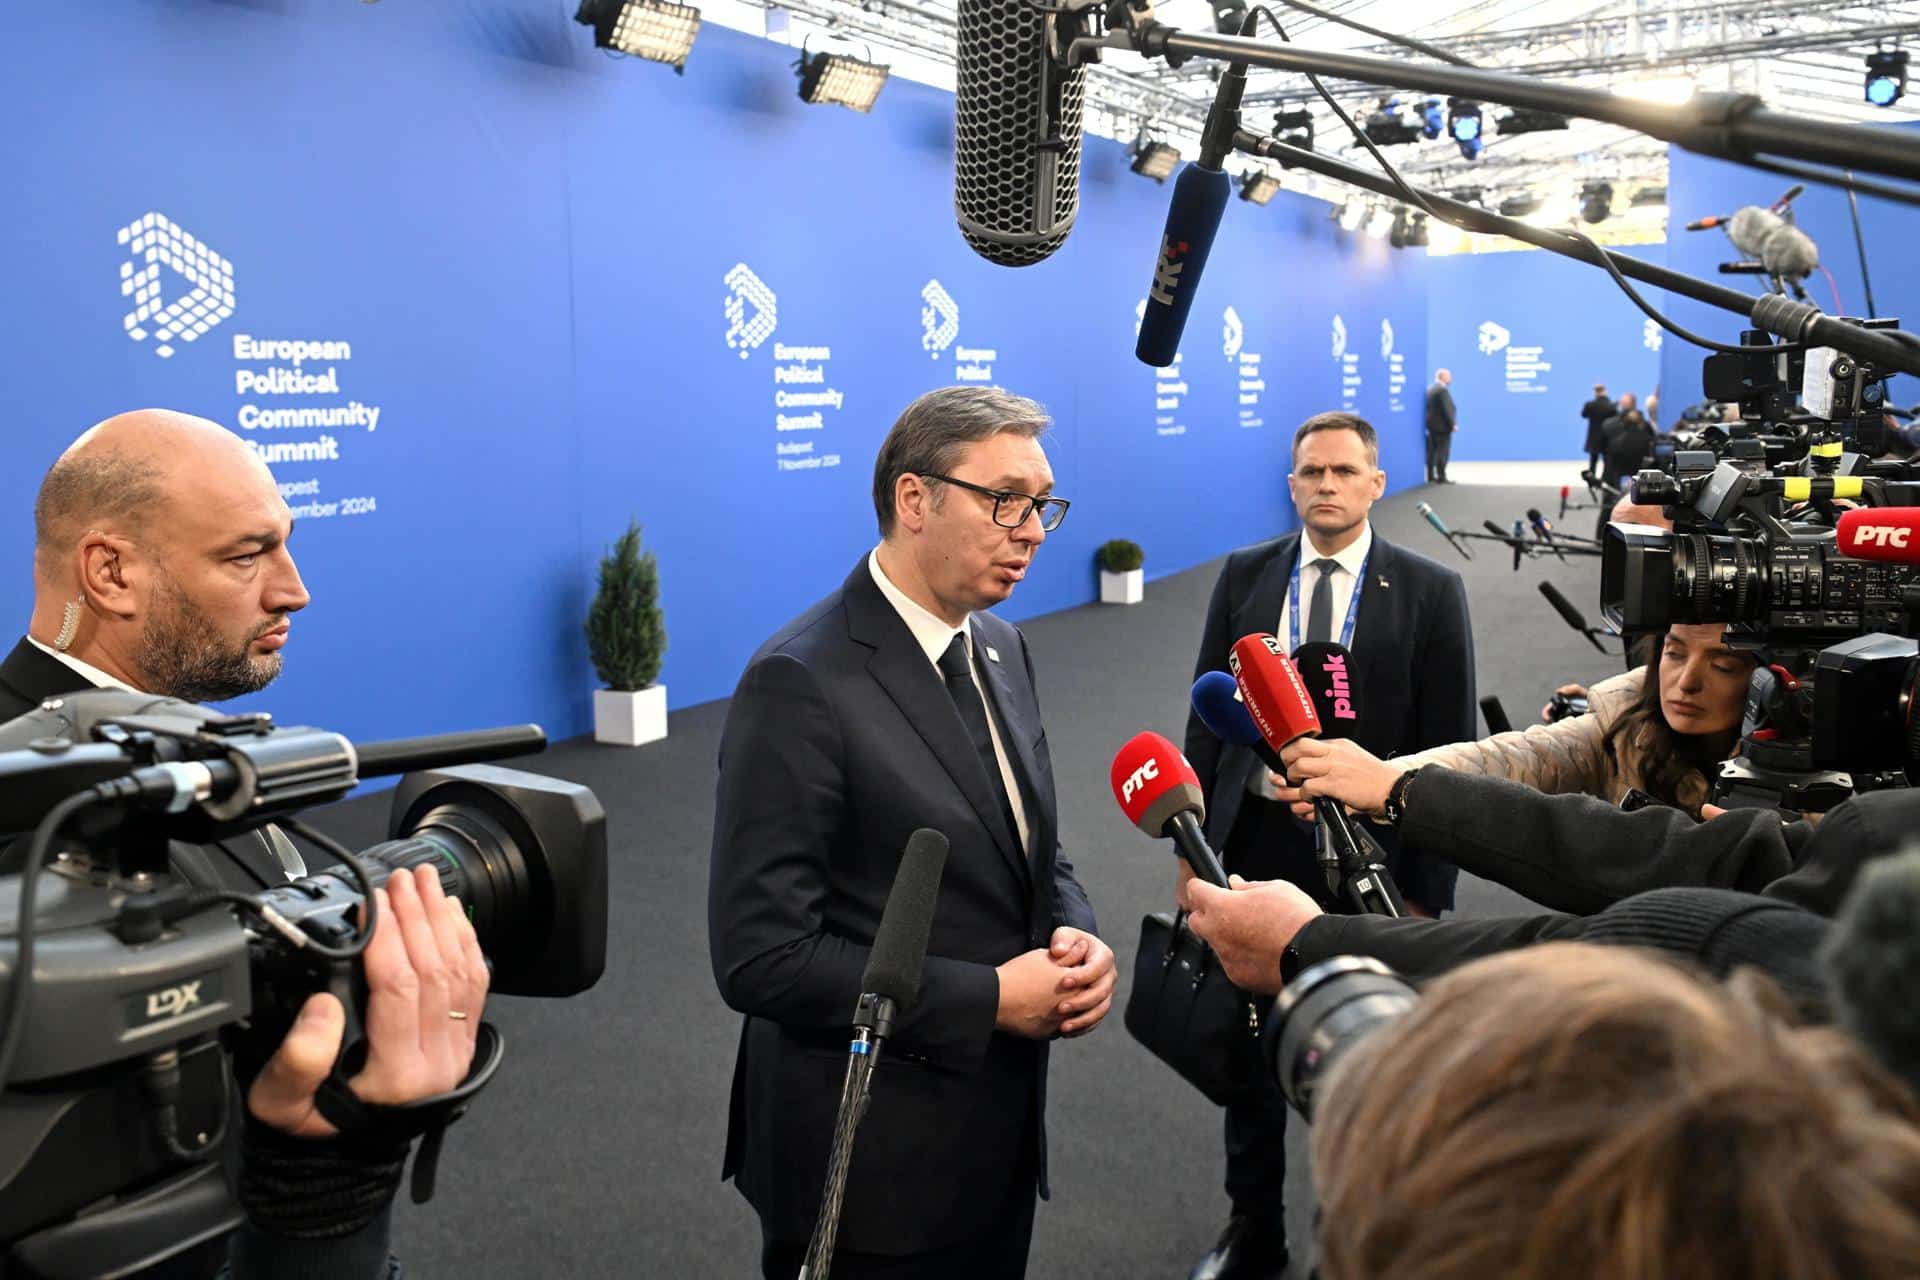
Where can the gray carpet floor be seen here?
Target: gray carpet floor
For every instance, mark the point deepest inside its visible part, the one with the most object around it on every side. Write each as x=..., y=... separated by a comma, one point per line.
x=597, y=1151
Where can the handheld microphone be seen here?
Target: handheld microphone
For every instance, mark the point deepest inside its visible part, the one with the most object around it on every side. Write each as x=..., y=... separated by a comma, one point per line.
x=1160, y=794
x=1353, y=860
x=1794, y=192
x=1575, y=619
x=1216, y=700
x=1496, y=715
x=1871, y=961
x=1564, y=491
x=1543, y=530
x=1016, y=133
x=1708, y=224
x=1440, y=526
x=1193, y=219
x=890, y=986
x=1890, y=535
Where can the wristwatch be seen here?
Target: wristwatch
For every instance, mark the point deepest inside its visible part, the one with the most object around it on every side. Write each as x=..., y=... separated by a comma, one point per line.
x=1396, y=806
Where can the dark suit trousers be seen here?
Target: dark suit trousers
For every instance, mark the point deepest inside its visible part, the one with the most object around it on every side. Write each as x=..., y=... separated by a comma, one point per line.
x=1267, y=843
x=1439, y=445
x=1000, y=1255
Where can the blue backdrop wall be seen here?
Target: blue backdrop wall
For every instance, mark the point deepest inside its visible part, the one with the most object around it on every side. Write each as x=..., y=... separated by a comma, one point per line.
x=1698, y=187
x=561, y=290
x=1526, y=335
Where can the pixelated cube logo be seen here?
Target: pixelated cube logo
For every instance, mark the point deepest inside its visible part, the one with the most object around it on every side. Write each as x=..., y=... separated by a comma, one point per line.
x=939, y=319
x=1650, y=335
x=1386, y=339
x=153, y=242
x=1493, y=338
x=1339, y=338
x=751, y=310
x=1233, y=334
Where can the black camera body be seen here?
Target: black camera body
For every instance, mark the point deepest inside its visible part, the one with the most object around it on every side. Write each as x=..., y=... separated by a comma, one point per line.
x=1754, y=506
x=155, y=983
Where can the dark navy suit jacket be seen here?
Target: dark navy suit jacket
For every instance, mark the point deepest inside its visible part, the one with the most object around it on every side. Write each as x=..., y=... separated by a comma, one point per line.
x=1413, y=681
x=842, y=740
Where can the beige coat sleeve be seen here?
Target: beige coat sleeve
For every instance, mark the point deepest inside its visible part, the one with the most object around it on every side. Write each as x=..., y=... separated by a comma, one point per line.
x=1560, y=759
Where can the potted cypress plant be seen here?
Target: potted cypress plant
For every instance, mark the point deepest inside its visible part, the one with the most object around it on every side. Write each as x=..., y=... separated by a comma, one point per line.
x=1121, y=579
x=626, y=637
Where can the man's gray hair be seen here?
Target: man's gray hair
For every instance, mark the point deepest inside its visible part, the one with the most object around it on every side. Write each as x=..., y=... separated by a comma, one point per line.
x=931, y=433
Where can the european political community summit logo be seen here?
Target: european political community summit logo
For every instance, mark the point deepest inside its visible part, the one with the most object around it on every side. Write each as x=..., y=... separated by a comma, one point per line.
x=156, y=245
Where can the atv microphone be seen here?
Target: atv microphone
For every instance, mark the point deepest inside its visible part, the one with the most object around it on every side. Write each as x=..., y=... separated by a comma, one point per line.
x=1890, y=535
x=1016, y=133
x=1216, y=700
x=889, y=987
x=1440, y=526
x=1160, y=794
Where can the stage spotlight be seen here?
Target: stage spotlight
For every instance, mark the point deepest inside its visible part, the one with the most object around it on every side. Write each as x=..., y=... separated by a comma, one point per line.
x=1521, y=120
x=1229, y=16
x=1352, y=214
x=1385, y=128
x=1463, y=120
x=1380, y=222
x=1470, y=148
x=1433, y=119
x=1417, y=231
x=833, y=79
x=1647, y=196
x=1257, y=186
x=1469, y=195
x=1151, y=159
x=1295, y=128
x=1596, y=201
x=1397, y=234
x=657, y=30
x=1519, y=206
x=1886, y=76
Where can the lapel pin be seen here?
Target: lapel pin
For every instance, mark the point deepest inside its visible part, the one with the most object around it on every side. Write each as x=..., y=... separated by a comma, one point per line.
x=1383, y=580
x=993, y=654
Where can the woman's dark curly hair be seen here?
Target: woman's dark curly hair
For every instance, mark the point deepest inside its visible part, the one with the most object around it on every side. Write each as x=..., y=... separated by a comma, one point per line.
x=1671, y=767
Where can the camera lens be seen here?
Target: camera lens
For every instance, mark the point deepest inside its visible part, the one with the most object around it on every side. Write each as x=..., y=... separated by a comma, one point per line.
x=1325, y=1012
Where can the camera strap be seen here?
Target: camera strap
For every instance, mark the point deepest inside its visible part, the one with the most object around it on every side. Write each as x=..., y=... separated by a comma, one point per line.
x=426, y=1119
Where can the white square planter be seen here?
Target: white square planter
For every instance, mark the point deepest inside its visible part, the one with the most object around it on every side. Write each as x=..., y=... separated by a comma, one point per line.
x=1123, y=588
x=630, y=719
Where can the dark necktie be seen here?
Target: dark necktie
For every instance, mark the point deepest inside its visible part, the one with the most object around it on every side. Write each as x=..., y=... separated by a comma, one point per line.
x=1320, y=612
x=973, y=714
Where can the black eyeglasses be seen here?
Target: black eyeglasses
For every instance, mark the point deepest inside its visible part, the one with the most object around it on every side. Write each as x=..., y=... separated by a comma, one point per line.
x=1010, y=510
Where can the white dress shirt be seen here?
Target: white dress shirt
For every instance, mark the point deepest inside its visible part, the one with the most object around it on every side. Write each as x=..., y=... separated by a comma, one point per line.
x=1344, y=578
x=935, y=636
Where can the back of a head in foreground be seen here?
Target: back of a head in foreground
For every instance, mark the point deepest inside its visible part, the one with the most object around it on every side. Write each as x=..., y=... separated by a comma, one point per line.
x=1592, y=1113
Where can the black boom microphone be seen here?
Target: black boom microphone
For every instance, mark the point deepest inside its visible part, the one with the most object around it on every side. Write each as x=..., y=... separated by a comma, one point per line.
x=1575, y=619
x=1016, y=133
x=888, y=988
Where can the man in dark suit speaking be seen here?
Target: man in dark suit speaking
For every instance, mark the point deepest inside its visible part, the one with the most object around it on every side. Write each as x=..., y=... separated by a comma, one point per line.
x=895, y=703
x=1405, y=620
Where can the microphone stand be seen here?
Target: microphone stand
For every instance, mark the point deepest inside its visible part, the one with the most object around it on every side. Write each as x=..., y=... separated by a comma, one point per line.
x=1799, y=322
x=1362, y=877
x=873, y=1023
x=1728, y=126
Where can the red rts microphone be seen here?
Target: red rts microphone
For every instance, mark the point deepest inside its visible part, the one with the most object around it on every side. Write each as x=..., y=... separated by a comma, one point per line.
x=1887, y=534
x=1160, y=794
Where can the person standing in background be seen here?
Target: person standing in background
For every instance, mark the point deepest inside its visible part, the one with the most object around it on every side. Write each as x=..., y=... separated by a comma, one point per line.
x=1596, y=411
x=1441, y=424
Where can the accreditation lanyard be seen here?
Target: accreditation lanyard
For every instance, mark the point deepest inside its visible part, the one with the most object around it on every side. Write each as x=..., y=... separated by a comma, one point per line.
x=1293, y=602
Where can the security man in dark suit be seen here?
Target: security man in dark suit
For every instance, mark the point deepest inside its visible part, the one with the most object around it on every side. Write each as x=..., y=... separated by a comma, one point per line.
x=896, y=703
x=161, y=566
x=1441, y=424
x=1596, y=411
x=1405, y=620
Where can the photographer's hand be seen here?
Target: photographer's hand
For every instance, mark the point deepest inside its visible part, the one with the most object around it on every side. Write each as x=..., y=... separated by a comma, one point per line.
x=423, y=967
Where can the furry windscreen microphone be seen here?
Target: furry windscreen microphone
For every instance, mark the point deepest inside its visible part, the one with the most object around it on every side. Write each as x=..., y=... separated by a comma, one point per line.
x=1872, y=962
x=900, y=945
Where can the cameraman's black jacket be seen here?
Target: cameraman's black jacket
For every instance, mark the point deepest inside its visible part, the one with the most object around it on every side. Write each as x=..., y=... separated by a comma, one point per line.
x=1579, y=856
